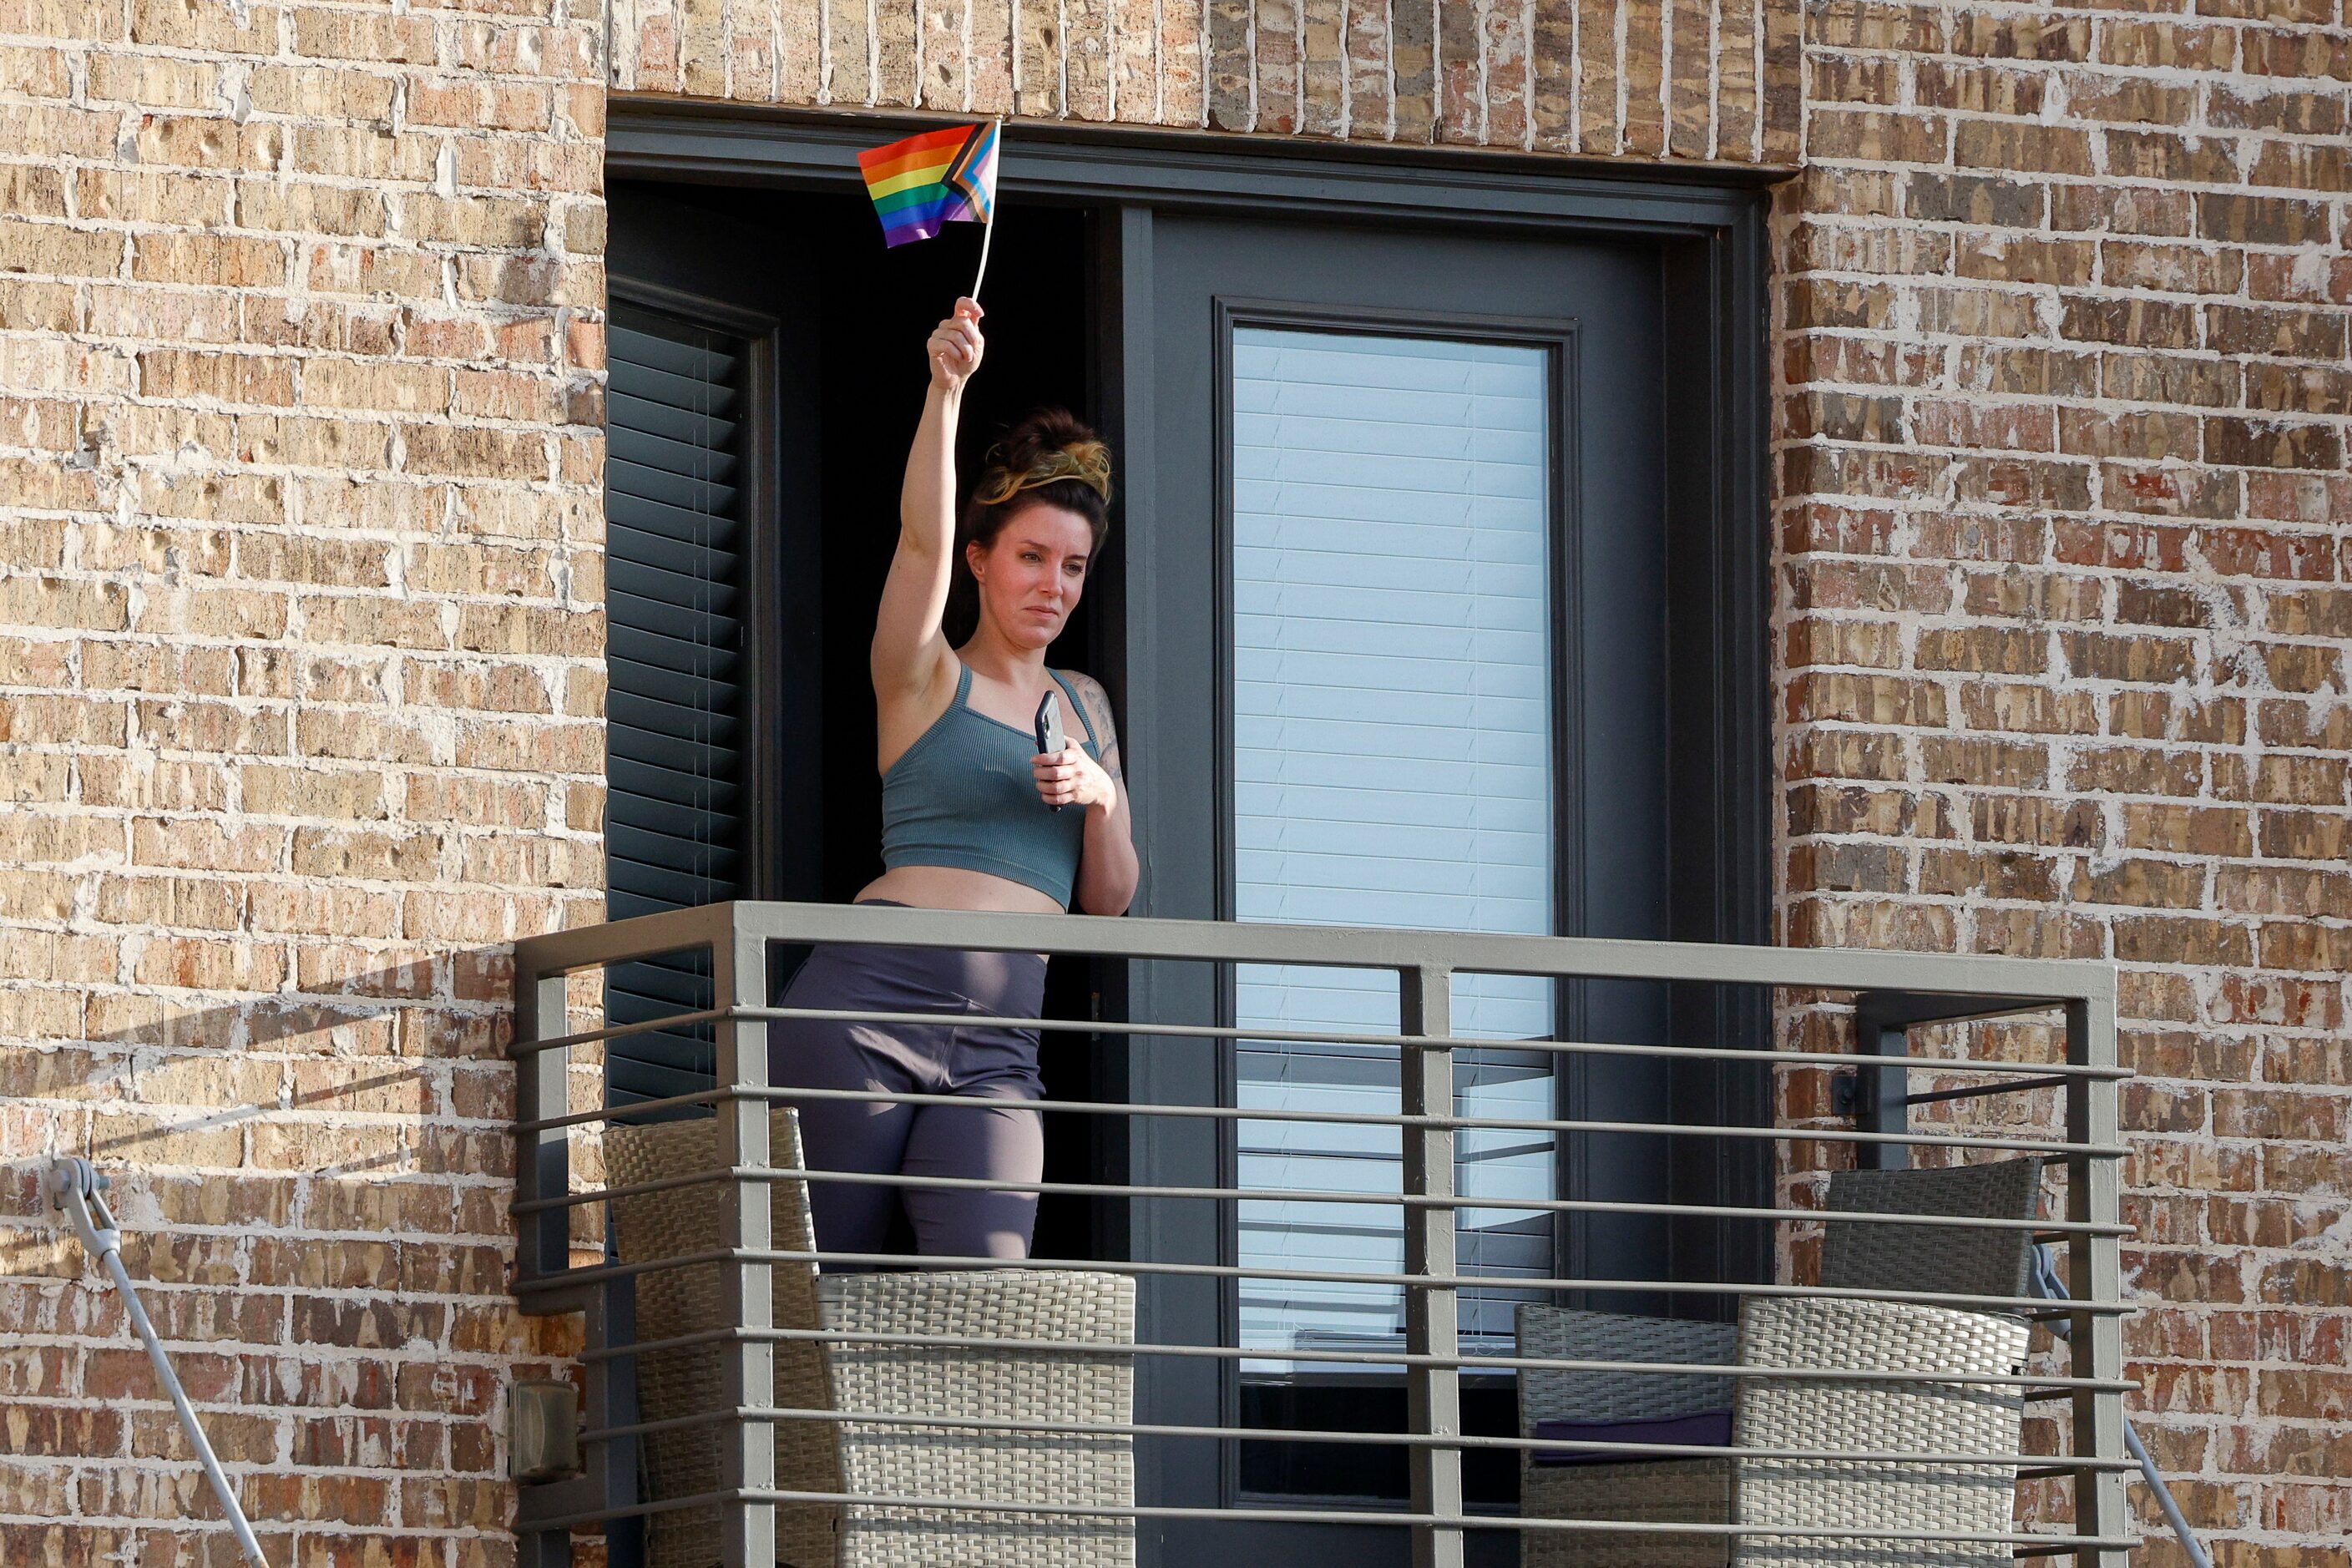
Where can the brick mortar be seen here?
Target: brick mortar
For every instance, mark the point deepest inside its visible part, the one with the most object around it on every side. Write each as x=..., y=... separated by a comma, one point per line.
x=450, y=318
x=1909, y=377
x=2237, y=1125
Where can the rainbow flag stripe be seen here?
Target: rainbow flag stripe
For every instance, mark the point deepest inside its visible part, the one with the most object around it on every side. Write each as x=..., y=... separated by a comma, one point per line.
x=933, y=179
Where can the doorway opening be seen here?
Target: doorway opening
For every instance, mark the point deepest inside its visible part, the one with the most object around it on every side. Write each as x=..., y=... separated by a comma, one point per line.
x=1330, y=392
x=799, y=506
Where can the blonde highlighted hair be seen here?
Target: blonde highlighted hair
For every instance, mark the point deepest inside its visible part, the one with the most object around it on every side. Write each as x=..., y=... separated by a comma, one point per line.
x=1086, y=461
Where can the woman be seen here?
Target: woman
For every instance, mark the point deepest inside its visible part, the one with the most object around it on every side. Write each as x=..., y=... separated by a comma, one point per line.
x=967, y=824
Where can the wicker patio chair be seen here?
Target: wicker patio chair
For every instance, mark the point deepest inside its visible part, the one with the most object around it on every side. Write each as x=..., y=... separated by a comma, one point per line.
x=1924, y=1418
x=1946, y=1259
x=1957, y=1262
x=1646, y=1491
x=876, y=1458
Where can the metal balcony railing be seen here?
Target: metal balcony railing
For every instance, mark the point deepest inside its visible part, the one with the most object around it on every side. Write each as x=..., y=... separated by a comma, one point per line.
x=1786, y=1505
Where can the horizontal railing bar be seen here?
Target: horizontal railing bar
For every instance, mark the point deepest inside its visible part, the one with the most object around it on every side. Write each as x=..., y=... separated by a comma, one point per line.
x=1351, y=1117
x=942, y=1262
x=1443, y=1042
x=1427, y=1281
x=778, y=1415
x=2056, y=1387
x=1981, y=1090
x=2053, y=1072
x=634, y=1108
x=634, y=1190
x=1341, y=1118
x=1304, y=1196
x=1318, y=1516
x=2002, y=982
x=1457, y=1522
x=518, y=1050
x=636, y=1510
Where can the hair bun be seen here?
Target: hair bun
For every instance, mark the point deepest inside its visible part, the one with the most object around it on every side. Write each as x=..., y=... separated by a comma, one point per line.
x=1041, y=431
x=1049, y=444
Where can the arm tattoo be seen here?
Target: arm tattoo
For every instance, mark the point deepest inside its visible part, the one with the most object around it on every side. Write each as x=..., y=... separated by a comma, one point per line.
x=1099, y=711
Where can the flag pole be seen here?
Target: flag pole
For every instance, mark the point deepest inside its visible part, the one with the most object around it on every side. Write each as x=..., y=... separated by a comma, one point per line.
x=988, y=229
x=988, y=232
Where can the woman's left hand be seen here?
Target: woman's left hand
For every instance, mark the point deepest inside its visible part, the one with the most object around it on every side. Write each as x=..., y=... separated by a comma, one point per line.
x=1070, y=777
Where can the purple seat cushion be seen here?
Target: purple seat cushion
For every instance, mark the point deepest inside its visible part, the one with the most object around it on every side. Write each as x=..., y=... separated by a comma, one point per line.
x=1709, y=1429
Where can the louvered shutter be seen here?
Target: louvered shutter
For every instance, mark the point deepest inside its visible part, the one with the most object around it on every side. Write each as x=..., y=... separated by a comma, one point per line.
x=673, y=714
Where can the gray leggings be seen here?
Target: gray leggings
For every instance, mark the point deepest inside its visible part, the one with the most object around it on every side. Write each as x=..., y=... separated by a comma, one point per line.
x=996, y=1135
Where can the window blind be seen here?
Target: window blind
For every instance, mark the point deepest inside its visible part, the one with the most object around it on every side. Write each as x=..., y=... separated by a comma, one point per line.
x=673, y=712
x=1392, y=657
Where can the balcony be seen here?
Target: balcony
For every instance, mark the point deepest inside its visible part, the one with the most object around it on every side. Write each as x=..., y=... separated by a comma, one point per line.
x=778, y=1413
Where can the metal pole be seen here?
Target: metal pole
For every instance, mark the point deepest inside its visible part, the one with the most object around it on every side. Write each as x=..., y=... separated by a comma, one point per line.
x=543, y=1158
x=1882, y=1093
x=2094, y=1265
x=543, y=1170
x=73, y=1187
x=748, y=1448
x=2171, y=1509
x=1432, y=1321
x=610, y=1390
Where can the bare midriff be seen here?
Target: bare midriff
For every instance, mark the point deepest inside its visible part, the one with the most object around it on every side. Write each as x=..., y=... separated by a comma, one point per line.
x=954, y=888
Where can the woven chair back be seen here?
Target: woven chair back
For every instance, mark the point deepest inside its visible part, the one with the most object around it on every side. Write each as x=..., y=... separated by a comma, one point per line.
x=1938, y=1417
x=1561, y=1333
x=680, y=1222
x=904, y=1458
x=1637, y=1491
x=1943, y=1260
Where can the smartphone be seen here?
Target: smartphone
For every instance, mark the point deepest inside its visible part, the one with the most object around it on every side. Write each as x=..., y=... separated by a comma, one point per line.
x=1049, y=726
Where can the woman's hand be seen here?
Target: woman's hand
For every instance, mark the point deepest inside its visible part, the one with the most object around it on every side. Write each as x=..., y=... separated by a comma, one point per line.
x=955, y=347
x=1070, y=777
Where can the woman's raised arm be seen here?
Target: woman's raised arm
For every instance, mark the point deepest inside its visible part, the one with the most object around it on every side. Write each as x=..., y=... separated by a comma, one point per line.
x=910, y=652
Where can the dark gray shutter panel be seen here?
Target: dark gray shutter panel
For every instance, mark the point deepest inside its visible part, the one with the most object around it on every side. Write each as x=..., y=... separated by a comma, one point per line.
x=674, y=717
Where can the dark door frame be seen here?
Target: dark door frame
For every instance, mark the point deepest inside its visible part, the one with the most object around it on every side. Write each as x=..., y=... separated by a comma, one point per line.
x=1610, y=442
x=1710, y=224
x=1708, y=228
x=1560, y=340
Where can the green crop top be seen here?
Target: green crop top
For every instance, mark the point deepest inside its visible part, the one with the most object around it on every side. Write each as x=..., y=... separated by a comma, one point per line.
x=965, y=794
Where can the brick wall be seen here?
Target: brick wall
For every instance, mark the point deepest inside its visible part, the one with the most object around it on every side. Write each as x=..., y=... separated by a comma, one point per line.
x=299, y=722
x=298, y=634
x=1683, y=80
x=2064, y=609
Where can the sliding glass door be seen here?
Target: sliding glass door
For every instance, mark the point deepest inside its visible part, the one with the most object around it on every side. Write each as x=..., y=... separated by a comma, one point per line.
x=1405, y=507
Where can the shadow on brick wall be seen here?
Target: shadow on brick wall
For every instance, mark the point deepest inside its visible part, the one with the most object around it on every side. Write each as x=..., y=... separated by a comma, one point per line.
x=375, y=1102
